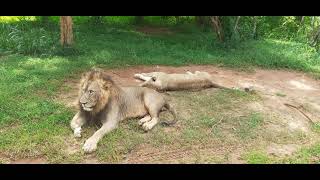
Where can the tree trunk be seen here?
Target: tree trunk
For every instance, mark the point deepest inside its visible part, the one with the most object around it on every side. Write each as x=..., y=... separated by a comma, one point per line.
x=217, y=27
x=312, y=22
x=302, y=20
x=66, y=31
x=316, y=37
x=177, y=19
x=254, y=33
x=139, y=19
x=235, y=29
x=200, y=20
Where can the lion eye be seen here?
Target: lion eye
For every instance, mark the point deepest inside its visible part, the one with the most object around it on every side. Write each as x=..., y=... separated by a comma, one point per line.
x=90, y=91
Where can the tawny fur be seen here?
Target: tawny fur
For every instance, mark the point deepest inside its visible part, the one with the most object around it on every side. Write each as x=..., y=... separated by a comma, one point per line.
x=101, y=99
x=161, y=81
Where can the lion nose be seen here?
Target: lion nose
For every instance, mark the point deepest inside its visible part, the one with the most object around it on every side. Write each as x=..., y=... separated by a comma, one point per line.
x=83, y=102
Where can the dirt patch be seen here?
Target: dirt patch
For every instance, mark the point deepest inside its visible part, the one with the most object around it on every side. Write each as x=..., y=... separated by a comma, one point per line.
x=29, y=161
x=91, y=159
x=235, y=158
x=8, y=160
x=282, y=150
x=73, y=145
x=146, y=154
x=275, y=87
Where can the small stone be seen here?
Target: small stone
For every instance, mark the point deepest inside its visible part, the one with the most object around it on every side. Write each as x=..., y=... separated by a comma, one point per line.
x=249, y=89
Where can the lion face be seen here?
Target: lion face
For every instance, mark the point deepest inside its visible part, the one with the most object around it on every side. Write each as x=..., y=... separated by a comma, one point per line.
x=95, y=91
x=90, y=96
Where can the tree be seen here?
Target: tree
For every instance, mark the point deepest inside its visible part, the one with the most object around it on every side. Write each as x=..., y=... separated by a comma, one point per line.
x=254, y=32
x=203, y=21
x=66, y=31
x=96, y=20
x=312, y=21
x=235, y=29
x=315, y=37
x=315, y=33
x=177, y=19
x=139, y=19
x=302, y=20
x=217, y=27
x=44, y=19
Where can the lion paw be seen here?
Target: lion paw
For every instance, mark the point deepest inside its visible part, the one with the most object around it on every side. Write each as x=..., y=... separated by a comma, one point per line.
x=144, y=120
x=77, y=132
x=89, y=146
x=148, y=125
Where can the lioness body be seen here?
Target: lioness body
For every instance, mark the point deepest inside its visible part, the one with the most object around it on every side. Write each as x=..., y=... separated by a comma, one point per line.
x=170, y=82
x=101, y=99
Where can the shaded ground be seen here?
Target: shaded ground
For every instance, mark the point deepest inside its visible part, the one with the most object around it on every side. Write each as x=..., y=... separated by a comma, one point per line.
x=283, y=132
x=153, y=30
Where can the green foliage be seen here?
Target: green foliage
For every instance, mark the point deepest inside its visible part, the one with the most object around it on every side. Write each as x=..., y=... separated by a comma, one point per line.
x=256, y=157
x=186, y=43
x=96, y=20
x=20, y=38
x=277, y=27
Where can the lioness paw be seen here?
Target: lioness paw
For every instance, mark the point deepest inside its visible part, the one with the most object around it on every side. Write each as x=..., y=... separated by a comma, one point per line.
x=77, y=132
x=89, y=146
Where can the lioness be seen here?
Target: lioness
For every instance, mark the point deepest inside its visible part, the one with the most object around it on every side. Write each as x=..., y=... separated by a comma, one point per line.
x=100, y=98
x=170, y=82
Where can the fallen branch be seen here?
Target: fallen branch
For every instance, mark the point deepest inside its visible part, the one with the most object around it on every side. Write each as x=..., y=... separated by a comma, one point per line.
x=298, y=108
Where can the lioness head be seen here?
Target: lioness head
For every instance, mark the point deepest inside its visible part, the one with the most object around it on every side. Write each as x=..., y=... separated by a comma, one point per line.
x=95, y=89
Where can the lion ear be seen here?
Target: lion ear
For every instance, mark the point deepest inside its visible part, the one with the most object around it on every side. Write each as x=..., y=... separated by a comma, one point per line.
x=106, y=81
x=106, y=84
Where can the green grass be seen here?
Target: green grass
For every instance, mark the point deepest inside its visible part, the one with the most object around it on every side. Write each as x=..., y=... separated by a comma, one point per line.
x=9, y=19
x=306, y=155
x=256, y=157
x=228, y=118
x=316, y=127
x=281, y=95
x=186, y=45
x=33, y=68
x=249, y=125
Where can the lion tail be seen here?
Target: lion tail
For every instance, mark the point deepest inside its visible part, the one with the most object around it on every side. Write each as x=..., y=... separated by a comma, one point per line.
x=174, y=114
x=215, y=85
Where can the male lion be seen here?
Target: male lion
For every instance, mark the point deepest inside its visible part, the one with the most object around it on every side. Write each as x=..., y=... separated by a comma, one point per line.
x=100, y=98
x=171, y=82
